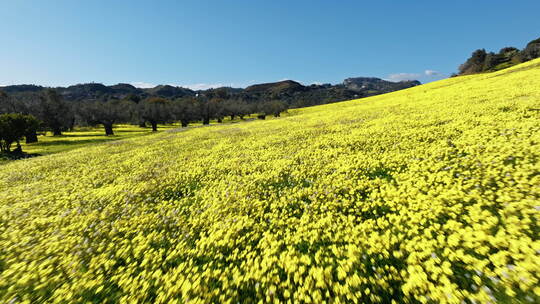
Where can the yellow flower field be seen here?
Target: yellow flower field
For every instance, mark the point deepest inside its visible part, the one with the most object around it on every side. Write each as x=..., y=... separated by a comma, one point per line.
x=427, y=195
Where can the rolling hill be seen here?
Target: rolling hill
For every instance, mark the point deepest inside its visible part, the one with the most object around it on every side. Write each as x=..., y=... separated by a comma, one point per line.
x=425, y=194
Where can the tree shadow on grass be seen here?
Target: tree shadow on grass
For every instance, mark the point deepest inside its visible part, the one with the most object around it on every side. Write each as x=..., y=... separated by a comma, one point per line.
x=94, y=132
x=16, y=155
x=141, y=130
x=75, y=142
x=76, y=135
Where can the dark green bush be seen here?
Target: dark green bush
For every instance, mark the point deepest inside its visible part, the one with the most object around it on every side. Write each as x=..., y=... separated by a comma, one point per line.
x=13, y=127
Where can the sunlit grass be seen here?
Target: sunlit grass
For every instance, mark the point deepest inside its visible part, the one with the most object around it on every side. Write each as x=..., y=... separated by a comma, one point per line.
x=80, y=137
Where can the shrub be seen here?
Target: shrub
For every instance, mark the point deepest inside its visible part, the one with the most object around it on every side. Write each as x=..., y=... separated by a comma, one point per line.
x=13, y=127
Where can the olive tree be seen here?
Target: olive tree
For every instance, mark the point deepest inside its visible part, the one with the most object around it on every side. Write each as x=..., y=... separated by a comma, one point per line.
x=54, y=111
x=185, y=110
x=155, y=110
x=106, y=113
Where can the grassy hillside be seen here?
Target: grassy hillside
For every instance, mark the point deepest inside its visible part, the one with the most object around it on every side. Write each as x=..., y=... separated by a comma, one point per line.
x=430, y=194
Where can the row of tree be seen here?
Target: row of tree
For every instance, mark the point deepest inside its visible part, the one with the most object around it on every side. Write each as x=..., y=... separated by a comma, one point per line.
x=57, y=115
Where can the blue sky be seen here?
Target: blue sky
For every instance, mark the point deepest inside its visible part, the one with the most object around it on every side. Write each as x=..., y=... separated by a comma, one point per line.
x=238, y=43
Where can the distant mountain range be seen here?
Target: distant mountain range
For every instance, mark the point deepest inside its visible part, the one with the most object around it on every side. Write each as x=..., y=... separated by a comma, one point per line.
x=292, y=92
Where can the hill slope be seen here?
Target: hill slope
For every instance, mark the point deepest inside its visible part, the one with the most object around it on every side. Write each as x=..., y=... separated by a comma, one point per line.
x=427, y=193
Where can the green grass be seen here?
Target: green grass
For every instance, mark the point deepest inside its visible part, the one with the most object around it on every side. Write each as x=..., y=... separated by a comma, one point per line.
x=82, y=137
x=48, y=144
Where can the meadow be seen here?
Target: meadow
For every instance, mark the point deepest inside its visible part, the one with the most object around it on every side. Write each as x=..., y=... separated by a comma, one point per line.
x=426, y=195
x=83, y=136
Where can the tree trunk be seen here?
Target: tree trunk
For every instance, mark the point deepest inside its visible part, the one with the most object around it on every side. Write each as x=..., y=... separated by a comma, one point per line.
x=154, y=126
x=57, y=132
x=206, y=120
x=19, y=148
x=232, y=116
x=142, y=124
x=261, y=116
x=31, y=137
x=184, y=123
x=108, y=129
x=72, y=124
x=220, y=120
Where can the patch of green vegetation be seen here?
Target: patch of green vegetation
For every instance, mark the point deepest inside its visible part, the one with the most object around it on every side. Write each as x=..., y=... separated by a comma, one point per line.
x=502, y=66
x=80, y=137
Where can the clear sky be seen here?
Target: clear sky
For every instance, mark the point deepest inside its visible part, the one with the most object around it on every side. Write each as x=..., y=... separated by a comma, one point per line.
x=237, y=43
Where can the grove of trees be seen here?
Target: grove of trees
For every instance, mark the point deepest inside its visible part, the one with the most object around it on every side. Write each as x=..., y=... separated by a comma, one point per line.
x=482, y=61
